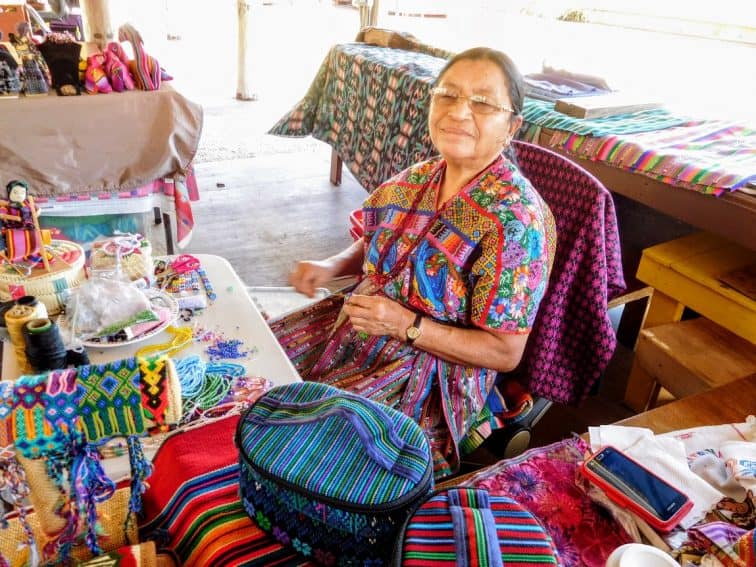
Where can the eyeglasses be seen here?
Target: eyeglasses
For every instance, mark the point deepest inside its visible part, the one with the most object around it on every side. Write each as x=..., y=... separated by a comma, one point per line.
x=479, y=104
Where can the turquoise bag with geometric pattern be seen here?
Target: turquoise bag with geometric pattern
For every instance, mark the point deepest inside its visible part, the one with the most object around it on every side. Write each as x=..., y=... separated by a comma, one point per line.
x=331, y=473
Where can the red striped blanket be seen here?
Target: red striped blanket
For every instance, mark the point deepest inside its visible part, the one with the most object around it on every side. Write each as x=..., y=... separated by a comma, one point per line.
x=192, y=508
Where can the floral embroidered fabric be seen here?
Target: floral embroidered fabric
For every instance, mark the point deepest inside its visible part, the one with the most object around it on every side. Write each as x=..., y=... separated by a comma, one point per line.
x=542, y=480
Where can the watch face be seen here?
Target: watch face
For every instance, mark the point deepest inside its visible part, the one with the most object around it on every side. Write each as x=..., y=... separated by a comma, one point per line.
x=413, y=333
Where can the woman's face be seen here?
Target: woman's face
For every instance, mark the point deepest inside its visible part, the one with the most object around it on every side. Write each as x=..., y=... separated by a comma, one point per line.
x=463, y=137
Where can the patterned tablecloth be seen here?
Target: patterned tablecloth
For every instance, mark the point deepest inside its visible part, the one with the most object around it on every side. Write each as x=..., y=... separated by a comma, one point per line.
x=371, y=105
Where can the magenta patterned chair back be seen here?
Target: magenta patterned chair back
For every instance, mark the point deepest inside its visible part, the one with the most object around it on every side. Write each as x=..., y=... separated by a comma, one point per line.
x=572, y=339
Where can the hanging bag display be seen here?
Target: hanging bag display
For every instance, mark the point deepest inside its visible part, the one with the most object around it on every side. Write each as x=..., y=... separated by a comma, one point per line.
x=468, y=526
x=331, y=473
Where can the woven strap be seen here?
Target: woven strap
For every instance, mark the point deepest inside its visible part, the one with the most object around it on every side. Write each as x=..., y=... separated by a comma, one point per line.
x=373, y=426
x=475, y=538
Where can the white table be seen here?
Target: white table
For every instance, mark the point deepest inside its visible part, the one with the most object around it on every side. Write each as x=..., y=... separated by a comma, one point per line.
x=232, y=314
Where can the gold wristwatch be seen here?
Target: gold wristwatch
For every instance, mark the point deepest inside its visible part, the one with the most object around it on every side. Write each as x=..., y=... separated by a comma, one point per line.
x=413, y=331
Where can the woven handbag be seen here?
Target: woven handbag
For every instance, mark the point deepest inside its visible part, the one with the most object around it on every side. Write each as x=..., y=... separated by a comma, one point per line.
x=467, y=526
x=331, y=473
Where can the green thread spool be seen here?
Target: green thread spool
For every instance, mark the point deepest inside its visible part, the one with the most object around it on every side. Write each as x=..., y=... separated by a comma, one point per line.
x=38, y=326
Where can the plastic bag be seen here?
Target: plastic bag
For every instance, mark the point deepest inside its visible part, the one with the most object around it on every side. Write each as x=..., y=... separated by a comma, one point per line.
x=103, y=306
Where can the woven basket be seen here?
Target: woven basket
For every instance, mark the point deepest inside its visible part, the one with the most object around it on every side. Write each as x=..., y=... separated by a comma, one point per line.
x=112, y=514
x=136, y=265
x=49, y=287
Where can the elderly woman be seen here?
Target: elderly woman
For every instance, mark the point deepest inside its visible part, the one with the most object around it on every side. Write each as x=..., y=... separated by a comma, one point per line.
x=455, y=260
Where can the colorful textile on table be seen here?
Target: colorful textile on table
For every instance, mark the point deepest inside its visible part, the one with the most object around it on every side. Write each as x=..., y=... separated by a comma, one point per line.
x=192, y=507
x=352, y=471
x=481, y=261
x=466, y=526
x=710, y=157
x=142, y=555
x=541, y=113
x=153, y=377
x=112, y=402
x=542, y=480
x=371, y=105
x=33, y=434
x=61, y=399
x=6, y=407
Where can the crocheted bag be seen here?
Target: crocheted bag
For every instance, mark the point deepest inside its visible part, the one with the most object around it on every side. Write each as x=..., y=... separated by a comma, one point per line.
x=330, y=472
x=467, y=526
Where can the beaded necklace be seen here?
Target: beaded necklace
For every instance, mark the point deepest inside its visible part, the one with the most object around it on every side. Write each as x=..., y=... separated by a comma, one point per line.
x=182, y=338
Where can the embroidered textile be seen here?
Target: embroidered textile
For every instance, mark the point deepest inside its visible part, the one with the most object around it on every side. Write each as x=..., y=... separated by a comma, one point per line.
x=542, y=480
x=709, y=157
x=153, y=372
x=482, y=261
x=61, y=399
x=370, y=104
x=120, y=396
x=541, y=113
x=465, y=526
x=34, y=435
x=6, y=407
x=573, y=340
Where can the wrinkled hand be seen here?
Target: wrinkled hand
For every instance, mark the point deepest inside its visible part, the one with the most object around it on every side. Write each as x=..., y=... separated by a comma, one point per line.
x=309, y=275
x=378, y=316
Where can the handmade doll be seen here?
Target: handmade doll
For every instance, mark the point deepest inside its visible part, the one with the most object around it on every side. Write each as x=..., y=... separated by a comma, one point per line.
x=117, y=68
x=18, y=215
x=95, y=77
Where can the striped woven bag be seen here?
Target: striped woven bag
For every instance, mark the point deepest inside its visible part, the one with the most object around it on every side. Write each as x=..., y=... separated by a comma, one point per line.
x=331, y=473
x=462, y=527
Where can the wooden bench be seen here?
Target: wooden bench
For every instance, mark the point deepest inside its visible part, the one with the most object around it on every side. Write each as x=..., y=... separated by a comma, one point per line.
x=686, y=273
x=690, y=357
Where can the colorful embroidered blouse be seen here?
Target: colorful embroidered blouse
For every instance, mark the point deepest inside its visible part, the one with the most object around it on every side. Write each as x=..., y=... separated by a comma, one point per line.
x=481, y=260
x=484, y=260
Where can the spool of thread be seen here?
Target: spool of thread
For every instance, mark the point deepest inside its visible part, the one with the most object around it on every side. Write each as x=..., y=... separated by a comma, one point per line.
x=44, y=345
x=77, y=357
x=15, y=320
x=40, y=310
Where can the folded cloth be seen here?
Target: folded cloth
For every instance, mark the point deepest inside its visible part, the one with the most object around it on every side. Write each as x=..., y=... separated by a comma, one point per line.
x=553, y=86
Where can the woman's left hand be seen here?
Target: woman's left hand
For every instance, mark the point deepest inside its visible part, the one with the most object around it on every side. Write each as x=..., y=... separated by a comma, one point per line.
x=378, y=316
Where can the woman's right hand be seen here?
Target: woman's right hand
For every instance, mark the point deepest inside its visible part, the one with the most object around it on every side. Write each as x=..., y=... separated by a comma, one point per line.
x=310, y=274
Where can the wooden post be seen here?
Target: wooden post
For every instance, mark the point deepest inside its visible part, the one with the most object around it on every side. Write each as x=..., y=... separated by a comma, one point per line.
x=97, y=23
x=374, y=9
x=243, y=88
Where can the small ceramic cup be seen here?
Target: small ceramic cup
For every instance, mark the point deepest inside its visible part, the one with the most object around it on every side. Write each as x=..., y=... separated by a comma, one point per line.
x=639, y=555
